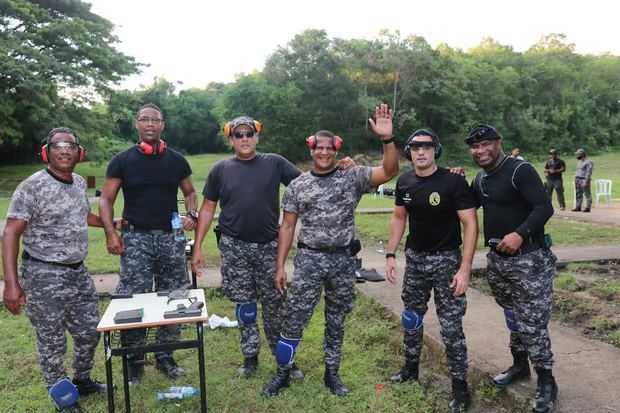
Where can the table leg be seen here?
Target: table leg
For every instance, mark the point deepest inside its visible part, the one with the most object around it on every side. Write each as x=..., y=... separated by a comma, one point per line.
x=108, y=370
x=201, y=368
x=126, y=384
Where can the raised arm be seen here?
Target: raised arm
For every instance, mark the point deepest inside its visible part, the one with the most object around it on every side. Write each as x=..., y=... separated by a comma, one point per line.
x=383, y=127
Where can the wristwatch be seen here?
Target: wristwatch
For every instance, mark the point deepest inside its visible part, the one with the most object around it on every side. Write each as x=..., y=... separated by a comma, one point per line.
x=193, y=215
x=389, y=139
x=390, y=255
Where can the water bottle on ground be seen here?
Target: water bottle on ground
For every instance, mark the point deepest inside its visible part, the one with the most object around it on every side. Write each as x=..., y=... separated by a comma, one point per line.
x=178, y=393
x=177, y=227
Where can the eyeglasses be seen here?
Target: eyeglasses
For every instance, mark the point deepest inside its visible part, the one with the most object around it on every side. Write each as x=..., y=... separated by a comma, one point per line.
x=150, y=120
x=240, y=135
x=425, y=146
x=59, y=146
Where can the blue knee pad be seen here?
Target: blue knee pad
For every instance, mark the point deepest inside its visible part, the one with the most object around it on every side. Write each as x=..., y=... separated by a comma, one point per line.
x=411, y=320
x=285, y=350
x=63, y=393
x=511, y=320
x=246, y=313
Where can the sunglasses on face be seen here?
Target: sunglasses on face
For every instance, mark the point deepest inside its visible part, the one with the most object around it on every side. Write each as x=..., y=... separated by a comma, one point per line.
x=240, y=135
x=59, y=146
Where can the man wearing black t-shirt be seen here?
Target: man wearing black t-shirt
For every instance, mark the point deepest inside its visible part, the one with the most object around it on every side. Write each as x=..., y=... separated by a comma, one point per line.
x=435, y=202
x=520, y=267
x=554, y=168
x=151, y=249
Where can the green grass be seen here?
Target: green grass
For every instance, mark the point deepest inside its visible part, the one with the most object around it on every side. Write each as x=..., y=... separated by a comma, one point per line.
x=372, y=351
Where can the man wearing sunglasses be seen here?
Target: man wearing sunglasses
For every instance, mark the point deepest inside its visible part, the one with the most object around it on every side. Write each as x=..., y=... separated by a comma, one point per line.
x=50, y=212
x=152, y=249
x=520, y=265
x=435, y=202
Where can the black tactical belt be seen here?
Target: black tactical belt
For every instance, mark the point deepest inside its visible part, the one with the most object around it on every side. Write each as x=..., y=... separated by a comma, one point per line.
x=127, y=227
x=28, y=257
x=525, y=249
x=329, y=250
x=580, y=177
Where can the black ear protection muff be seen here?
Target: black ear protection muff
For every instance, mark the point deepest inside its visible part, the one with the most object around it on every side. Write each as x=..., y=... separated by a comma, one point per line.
x=228, y=130
x=148, y=149
x=426, y=132
x=44, y=155
x=336, y=141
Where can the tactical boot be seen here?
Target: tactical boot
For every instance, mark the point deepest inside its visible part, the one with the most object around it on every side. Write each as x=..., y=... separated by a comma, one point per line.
x=520, y=369
x=578, y=209
x=408, y=372
x=136, y=372
x=586, y=209
x=280, y=381
x=89, y=386
x=546, y=391
x=247, y=369
x=169, y=367
x=460, y=396
x=296, y=372
x=332, y=381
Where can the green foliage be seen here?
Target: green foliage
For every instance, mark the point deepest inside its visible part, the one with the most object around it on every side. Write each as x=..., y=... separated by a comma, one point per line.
x=565, y=282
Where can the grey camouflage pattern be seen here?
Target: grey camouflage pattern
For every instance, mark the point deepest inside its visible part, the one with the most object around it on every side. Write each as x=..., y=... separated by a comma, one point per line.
x=248, y=269
x=56, y=212
x=59, y=299
x=580, y=191
x=426, y=272
x=326, y=205
x=149, y=258
x=525, y=284
x=559, y=190
x=313, y=271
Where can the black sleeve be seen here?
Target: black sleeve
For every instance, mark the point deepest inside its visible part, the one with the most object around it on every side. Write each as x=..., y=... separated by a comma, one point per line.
x=115, y=167
x=398, y=193
x=463, y=194
x=474, y=190
x=531, y=187
x=211, y=190
x=288, y=171
x=562, y=164
x=184, y=169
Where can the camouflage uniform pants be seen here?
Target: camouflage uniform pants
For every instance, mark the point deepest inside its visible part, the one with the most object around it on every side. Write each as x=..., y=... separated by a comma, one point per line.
x=313, y=270
x=148, y=259
x=248, y=269
x=581, y=191
x=425, y=272
x=559, y=190
x=524, y=283
x=59, y=299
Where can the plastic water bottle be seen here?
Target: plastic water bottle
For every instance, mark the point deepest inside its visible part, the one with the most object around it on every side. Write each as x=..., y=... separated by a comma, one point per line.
x=178, y=393
x=177, y=227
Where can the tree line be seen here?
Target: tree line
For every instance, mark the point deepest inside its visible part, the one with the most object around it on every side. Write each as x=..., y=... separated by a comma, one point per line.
x=59, y=64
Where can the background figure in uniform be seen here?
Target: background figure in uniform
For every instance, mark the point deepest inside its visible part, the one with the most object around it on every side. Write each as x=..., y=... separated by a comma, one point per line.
x=324, y=200
x=516, y=153
x=583, y=177
x=554, y=168
x=50, y=213
x=520, y=265
x=150, y=175
x=435, y=202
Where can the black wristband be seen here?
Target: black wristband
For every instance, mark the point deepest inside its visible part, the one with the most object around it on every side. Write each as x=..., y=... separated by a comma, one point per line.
x=390, y=255
x=388, y=140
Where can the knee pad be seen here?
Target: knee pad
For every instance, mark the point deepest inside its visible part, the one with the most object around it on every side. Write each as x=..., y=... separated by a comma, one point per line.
x=63, y=393
x=411, y=320
x=285, y=350
x=246, y=313
x=511, y=320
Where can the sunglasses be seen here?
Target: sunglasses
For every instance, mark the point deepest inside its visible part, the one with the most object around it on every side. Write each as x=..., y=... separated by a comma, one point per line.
x=240, y=135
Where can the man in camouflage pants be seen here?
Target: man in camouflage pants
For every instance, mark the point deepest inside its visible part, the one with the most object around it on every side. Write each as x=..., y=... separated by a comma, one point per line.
x=49, y=212
x=152, y=252
x=435, y=202
x=324, y=200
x=520, y=267
x=583, y=178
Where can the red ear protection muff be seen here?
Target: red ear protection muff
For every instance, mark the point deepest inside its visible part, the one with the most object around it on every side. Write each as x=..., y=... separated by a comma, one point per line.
x=228, y=132
x=148, y=149
x=336, y=141
x=45, y=155
x=426, y=132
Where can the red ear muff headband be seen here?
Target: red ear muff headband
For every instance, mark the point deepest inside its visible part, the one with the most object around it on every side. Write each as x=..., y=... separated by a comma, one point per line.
x=45, y=154
x=148, y=149
x=228, y=131
x=336, y=142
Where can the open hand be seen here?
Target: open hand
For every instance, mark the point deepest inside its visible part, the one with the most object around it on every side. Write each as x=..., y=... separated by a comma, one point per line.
x=383, y=124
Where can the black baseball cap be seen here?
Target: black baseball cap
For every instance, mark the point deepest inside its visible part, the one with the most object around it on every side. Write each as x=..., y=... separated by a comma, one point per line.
x=482, y=132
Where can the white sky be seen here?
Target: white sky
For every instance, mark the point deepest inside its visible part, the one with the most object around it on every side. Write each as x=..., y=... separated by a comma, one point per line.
x=199, y=41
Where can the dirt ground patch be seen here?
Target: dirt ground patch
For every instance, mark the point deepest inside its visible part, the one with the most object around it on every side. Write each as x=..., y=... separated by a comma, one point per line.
x=586, y=298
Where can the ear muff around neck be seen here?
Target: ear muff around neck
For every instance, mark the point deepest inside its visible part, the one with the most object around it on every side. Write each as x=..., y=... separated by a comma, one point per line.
x=148, y=149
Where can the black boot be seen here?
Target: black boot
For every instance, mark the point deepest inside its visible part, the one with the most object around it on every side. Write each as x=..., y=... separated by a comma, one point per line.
x=278, y=382
x=136, y=371
x=408, y=372
x=332, y=381
x=546, y=391
x=296, y=372
x=520, y=369
x=460, y=396
x=89, y=386
x=247, y=369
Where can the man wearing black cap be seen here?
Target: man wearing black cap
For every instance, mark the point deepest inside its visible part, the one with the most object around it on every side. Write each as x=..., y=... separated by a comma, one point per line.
x=583, y=176
x=435, y=202
x=520, y=265
x=554, y=168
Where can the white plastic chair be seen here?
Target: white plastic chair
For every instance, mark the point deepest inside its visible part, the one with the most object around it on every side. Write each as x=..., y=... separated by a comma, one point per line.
x=379, y=191
x=603, y=188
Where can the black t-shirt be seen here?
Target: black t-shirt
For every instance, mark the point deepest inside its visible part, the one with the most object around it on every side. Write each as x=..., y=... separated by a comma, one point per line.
x=150, y=185
x=432, y=203
x=555, y=164
x=249, y=195
x=514, y=200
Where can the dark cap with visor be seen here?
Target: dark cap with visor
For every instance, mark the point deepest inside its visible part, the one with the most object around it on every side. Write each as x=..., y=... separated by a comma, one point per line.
x=482, y=132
